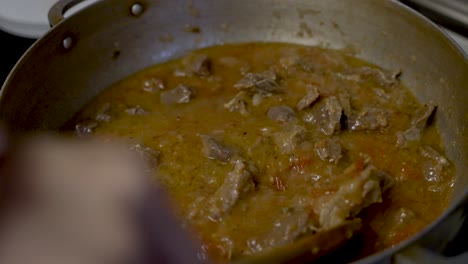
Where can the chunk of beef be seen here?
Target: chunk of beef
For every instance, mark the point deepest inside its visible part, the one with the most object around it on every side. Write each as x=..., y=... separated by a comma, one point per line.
x=195, y=65
x=382, y=95
x=238, y=104
x=434, y=165
x=289, y=139
x=103, y=114
x=310, y=98
x=418, y=123
x=368, y=119
x=85, y=128
x=331, y=116
x=153, y=85
x=236, y=183
x=200, y=65
x=328, y=117
x=285, y=231
x=137, y=110
x=386, y=181
x=182, y=94
x=345, y=100
x=328, y=150
x=282, y=114
x=214, y=149
x=382, y=77
x=149, y=155
x=264, y=82
x=361, y=190
x=258, y=98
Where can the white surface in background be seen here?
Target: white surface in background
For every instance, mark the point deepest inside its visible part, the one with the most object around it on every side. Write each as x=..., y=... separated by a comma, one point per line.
x=28, y=18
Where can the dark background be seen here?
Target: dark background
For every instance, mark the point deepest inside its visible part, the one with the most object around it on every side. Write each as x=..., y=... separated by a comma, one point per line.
x=12, y=48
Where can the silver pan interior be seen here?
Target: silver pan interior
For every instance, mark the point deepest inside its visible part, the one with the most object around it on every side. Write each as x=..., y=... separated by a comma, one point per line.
x=51, y=83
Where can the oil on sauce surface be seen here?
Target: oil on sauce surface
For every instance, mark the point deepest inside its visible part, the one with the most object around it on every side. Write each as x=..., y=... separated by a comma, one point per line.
x=233, y=111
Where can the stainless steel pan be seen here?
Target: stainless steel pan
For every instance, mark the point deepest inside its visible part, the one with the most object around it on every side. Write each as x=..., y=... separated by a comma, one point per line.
x=87, y=52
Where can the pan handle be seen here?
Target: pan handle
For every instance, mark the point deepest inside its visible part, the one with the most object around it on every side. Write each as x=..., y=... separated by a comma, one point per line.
x=57, y=11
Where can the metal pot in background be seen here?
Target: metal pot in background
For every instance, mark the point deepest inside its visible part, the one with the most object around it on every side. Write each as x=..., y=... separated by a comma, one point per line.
x=111, y=39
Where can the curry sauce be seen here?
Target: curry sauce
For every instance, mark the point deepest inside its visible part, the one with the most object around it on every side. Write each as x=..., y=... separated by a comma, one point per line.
x=261, y=144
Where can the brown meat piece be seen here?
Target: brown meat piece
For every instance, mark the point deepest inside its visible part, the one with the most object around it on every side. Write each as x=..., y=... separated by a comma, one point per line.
x=331, y=115
x=149, y=155
x=236, y=183
x=182, y=94
x=200, y=65
x=310, y=98
x=137, y=110
x=382, y=77
x=345, y=100
x=103, y=114
x=238, y=104
x=328, y=116
x=257, y=99
x=85, y=128
x=328, y=150
x=435, y=164
x=289, y=139
x=214, y=149
x=286, y=229
x=153, y=85
x=361, y=190
x=418, y=123
x=264, y=82
x=368, y=119
x=282, y=114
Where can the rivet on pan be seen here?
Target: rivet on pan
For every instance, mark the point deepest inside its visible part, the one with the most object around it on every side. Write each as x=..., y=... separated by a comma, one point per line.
x=137, y=9
x=67, y=42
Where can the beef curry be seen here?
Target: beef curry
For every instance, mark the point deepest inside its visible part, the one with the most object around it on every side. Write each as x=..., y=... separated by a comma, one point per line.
x=263, y=144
